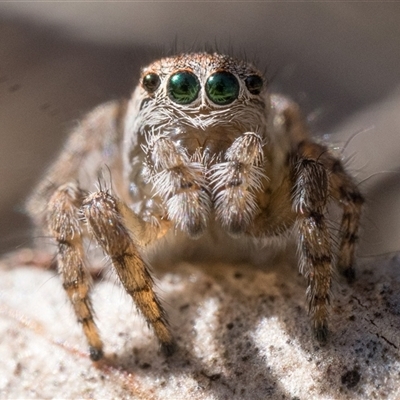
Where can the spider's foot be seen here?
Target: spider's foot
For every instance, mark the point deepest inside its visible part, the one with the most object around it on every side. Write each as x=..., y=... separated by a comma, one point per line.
x=321, y=333
x=349, y=273
x=95, y=353
x=168, y=348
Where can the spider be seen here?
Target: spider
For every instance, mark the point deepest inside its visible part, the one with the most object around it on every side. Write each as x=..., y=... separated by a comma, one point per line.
x=200, y=147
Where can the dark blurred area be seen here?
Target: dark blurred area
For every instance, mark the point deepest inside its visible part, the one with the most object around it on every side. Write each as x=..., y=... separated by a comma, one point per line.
x=339, y=61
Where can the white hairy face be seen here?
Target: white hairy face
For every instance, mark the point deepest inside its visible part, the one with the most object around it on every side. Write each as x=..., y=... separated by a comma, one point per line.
x=200, y=101
x=189, y=117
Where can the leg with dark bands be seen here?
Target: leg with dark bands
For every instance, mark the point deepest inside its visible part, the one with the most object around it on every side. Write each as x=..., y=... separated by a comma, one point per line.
x=315, y=249
x=107, y=224
x=64, y=226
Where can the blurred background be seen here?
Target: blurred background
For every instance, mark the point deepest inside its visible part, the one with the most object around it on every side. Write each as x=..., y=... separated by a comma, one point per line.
x=339, y=61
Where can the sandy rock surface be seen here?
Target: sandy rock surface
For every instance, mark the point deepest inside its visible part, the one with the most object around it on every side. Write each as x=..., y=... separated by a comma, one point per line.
x=242, y=332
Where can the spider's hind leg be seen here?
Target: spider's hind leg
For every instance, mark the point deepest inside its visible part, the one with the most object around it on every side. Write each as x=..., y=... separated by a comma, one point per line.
x=346, y=193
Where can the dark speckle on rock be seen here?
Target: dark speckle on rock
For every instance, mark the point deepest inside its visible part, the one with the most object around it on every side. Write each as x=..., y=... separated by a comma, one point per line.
x=230, y=325
x=351, y=378
x=215, y=377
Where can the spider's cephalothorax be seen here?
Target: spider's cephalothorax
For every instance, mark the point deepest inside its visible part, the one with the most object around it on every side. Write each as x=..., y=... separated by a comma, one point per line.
x=201, y=146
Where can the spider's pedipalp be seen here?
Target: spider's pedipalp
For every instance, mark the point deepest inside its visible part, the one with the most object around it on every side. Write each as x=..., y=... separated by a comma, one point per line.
x=181, y=182
x=235, y=182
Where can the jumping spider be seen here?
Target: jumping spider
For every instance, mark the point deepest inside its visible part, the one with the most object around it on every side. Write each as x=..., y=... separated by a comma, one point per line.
x=200, y=147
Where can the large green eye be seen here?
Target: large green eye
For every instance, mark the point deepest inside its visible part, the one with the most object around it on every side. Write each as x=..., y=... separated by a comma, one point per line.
x=183, y=87
x=222, y=88
x=254, y=83
x=151, y=82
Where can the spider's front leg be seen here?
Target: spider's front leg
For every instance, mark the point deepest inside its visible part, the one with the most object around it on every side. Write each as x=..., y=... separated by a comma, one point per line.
x=119, y=231
x=63, y=223
x=311, y=190
x=235, y=182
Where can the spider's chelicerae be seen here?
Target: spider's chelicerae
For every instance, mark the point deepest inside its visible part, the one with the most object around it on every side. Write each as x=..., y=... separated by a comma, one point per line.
x=201, y=147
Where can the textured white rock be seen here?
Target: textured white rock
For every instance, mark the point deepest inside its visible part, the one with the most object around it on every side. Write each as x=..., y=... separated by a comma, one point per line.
x=242, y=332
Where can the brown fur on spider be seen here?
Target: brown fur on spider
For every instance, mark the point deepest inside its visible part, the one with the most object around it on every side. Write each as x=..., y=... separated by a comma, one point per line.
x=200, y=147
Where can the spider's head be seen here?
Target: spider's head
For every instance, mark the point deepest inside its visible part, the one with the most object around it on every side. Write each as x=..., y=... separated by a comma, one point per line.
x=200, y=100
x=196, y=125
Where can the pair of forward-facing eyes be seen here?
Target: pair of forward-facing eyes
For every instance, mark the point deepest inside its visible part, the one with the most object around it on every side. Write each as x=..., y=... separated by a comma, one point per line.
x=222, y=87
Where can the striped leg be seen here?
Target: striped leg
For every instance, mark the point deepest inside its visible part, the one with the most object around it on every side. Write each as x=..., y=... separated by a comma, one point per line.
x=315, y=251
x=111, y=225
x=350, y=199
x=64, y=225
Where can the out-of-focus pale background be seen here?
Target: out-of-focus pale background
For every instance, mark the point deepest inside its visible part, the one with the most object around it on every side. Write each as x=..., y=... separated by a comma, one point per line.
x=339, y=61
